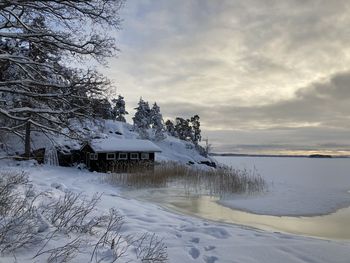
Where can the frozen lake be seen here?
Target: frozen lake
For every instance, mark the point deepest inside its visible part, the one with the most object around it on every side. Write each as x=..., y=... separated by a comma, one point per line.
x=297, y=186
x=306, y=196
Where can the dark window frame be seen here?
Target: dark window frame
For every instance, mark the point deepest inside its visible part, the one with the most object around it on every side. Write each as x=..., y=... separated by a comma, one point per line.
x=120, y=158
x=143, y=156
x=110, y=159
x=93, y=156
x=134, y=158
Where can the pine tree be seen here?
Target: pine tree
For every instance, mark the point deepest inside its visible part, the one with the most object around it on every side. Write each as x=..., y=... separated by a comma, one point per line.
x=196, y=131
x=170, y=128
x=101, y=108
x=142, y=119
x=157, y=123
x=119, y=110
x=183, y=129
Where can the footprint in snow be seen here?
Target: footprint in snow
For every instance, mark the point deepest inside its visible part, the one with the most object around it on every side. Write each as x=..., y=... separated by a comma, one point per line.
x=217, y=232
x=209, y=248
x=59, y=186
x=195, y=240
x=210, y=259
x=194, y=252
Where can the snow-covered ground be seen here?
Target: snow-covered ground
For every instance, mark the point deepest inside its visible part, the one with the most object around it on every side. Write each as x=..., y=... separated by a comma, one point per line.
x=188, y=239
x=297, y=186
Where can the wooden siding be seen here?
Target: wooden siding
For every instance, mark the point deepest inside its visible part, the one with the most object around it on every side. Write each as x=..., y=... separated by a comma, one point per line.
x=104, y=165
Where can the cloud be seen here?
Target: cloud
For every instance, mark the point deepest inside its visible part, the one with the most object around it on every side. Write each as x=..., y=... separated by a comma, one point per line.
x=319, y=104
x=317, y=114
x=242, y=65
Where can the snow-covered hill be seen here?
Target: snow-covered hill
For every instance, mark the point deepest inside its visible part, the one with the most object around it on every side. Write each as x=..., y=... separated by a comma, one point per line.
x=173, y=149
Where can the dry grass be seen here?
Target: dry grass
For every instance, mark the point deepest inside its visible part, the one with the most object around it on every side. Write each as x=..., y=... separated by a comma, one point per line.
x=215, y=182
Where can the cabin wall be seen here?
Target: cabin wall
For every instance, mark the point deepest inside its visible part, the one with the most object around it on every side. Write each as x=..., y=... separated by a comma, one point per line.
x=104, y=165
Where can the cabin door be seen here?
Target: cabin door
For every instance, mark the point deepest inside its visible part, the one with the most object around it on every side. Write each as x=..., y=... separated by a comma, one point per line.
x=88, y=160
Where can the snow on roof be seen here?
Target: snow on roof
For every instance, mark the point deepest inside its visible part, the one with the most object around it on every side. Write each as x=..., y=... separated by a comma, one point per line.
x=123, y=145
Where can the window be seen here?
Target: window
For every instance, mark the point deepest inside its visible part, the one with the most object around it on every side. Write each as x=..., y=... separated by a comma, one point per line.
x=93, y=156
x=144, y=156
x=110, y=156
x=134, y=156
x=123, y=156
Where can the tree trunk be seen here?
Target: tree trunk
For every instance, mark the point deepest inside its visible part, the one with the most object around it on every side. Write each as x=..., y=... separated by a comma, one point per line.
x=27, y=147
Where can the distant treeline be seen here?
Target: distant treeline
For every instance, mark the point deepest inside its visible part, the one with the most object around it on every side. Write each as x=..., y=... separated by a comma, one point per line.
x=280, y=155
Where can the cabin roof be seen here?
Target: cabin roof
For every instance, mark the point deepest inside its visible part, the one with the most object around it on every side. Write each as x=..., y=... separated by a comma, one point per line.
x=123, y=145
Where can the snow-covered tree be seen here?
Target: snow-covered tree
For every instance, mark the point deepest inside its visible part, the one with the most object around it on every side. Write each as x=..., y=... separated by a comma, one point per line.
x=183, y=129
x=119, y=110
x=37, y=39
x=157, y=123
x=101, y=108
x=170, y=128
x=186, y=129
x=196, y=131
x=142, y=120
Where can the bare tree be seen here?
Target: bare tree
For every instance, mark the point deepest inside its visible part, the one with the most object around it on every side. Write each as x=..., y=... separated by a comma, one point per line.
x=39, y=39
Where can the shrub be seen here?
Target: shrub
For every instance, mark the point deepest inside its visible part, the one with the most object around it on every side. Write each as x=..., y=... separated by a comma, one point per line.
x=19, y=221
x=70, y=212
x=70, y=218
x=149, y=248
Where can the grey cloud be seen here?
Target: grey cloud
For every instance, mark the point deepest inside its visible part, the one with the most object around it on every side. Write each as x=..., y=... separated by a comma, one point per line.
x=233, y=49
x=254, y=65
x=318, y=115
x=321, y=103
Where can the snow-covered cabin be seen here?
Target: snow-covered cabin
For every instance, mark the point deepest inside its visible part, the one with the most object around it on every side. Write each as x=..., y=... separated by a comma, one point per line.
x=114, y=154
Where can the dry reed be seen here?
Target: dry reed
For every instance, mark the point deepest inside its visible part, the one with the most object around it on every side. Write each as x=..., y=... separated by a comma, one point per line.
x=215, y=182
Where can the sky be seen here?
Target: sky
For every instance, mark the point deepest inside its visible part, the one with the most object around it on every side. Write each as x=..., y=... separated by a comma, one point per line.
x=265, y=76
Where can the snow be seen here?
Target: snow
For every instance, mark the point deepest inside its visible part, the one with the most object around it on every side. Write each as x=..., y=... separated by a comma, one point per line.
x=123, y=145
x=188, y=239
x=297, y=186
x=107, y=132
x=172, y=149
